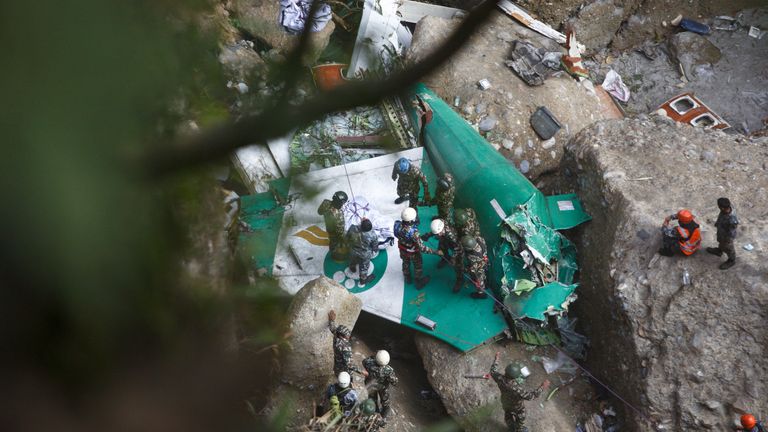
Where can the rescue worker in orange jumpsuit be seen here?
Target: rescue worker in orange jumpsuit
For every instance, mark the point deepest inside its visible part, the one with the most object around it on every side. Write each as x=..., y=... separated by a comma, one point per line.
x=750, y=424
x=685, y=237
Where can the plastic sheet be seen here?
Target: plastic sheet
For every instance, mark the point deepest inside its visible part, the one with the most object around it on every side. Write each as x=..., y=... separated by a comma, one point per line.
x=615, y=86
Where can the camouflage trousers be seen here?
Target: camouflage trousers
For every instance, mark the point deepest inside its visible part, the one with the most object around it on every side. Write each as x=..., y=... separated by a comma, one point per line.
x=445, y=212
x=418, y=264
x=384, y=402
x=726, y=247
x=412, y=192
x=453, y=261
x=337, y=247
x=361, y=264
x=515, y=421
x=477, y=273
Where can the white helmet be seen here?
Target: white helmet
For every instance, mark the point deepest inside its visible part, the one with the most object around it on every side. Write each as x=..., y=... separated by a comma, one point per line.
x=408, y=215
x=382, y=358
x=344, y=379
x=437, y=226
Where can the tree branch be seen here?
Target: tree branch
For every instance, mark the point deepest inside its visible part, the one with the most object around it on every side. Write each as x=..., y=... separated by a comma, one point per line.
x=218, y=141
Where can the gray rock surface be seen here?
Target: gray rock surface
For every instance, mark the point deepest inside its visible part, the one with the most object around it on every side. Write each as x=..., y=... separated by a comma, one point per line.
x=684, y=355
x=597, y=23
x=474, y=403
x=306, y=364
x=736, y=87
x=260, y=18
x=693, y=50
x=509, y=99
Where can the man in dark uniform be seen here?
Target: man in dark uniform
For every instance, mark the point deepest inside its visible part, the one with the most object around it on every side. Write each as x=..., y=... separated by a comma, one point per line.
x=411, y=247
x=334, y=224
x=513, y=394
x=448, y=244
x=342, y=347
x=726, y=232
x=409, y=177
x=381, y=375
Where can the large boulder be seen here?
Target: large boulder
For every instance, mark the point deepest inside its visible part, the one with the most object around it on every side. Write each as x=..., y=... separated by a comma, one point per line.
x=306, y=364
x=260, y=18
x=682, y=354
x=503, y=111
x=475, y=403
x=597, y=23
x=692, y=51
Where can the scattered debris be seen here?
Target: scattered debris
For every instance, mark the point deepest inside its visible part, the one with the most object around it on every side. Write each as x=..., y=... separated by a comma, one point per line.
x=748, y=247
x=726, y=23
x=524, y=18
x=614, y=85
x=686, y=108
x=484, y=84
x=545, y=124
x=755, y=32
x=694, y=26
x=533, y=65
x=572, y=62
x=294, y=13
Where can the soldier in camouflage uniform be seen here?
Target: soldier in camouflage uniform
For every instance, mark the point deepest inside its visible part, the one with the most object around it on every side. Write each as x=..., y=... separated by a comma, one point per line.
x=363, y=244
x=512, y=394
x=448, y=244
x=446, y=192
x=475, y=253
x=411, y=247
x=380, y=377
x=409, y=177
x=334, y=224
x=342, y=347
x=369, y=420
x=466, y=223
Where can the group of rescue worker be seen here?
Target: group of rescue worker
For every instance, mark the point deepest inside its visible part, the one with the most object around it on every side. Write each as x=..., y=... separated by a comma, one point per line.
x=459, y=243
x=379, y=376
x=686, y=236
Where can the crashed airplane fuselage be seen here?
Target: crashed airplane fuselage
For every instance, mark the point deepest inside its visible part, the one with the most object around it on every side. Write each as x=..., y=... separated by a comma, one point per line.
x=531, y=269
x=531, y=265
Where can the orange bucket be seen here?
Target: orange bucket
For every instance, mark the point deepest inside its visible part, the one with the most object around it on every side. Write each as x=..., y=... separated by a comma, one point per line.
x=328, y=76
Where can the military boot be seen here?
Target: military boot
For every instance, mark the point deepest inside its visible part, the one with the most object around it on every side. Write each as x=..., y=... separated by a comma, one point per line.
x=401, y=199
x=728, y=264
x=715, y=251
x=364, y=280
x=422, y=282
x=457, y=286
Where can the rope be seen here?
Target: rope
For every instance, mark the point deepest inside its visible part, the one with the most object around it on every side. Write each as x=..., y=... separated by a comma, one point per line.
x=582, y=368
x=560, y=350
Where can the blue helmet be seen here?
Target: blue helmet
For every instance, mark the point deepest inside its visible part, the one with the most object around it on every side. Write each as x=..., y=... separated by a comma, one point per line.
x=403, y=165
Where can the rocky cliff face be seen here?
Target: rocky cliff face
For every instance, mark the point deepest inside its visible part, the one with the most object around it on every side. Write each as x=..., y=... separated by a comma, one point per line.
x=683, y=354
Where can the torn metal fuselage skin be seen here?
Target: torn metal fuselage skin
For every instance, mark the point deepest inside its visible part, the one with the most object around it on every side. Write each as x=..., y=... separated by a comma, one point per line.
x=531, y=265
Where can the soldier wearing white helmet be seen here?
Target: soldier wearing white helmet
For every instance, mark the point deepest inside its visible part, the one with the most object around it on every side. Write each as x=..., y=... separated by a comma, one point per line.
x=411, y=247
x=448, y=244
x=381, y=376
x=341, y=396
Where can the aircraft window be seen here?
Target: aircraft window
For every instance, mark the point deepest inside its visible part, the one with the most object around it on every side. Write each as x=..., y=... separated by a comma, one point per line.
x=683, y=105
x=704, y=120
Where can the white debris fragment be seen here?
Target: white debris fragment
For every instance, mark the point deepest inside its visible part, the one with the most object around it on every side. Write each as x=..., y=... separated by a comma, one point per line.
x=484, y=84
x=548, y=144
x=748, y=247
